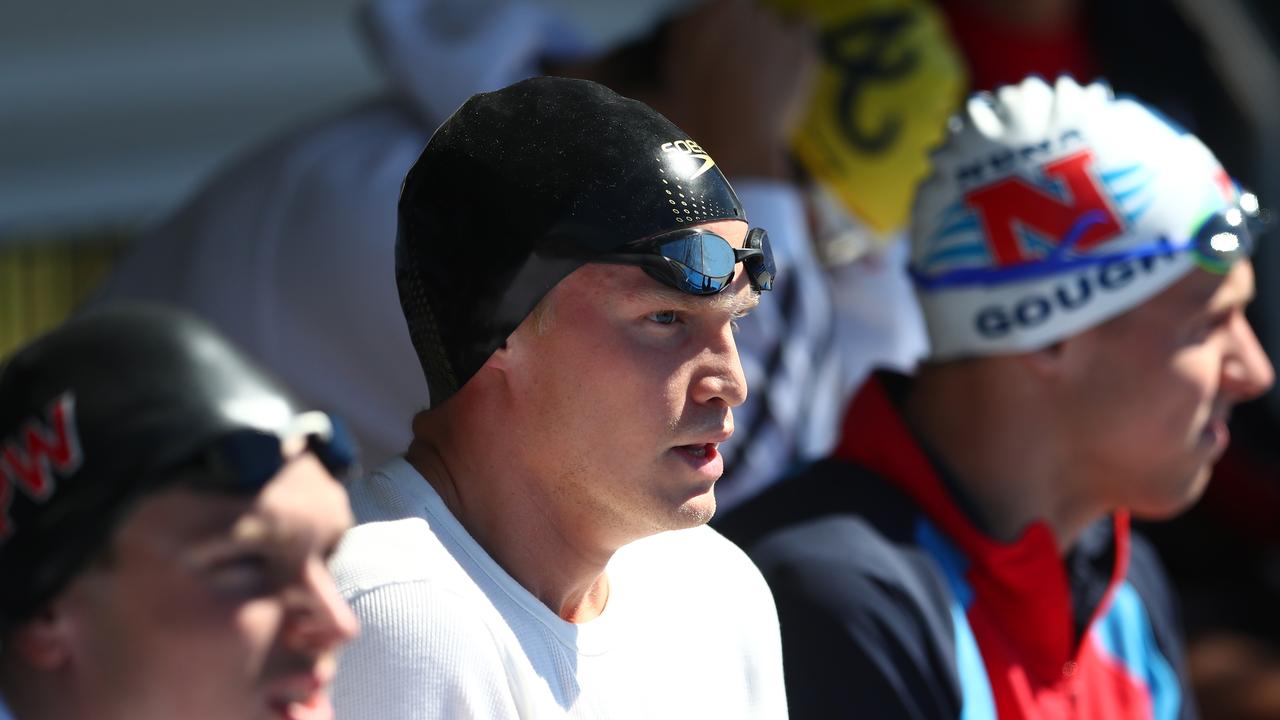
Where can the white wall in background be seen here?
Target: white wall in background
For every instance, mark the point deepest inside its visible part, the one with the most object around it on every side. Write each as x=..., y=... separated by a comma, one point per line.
x=111, y=112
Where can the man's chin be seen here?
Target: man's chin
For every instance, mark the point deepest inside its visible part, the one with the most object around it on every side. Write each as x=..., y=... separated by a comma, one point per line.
x=696, y=511
x=1179, y=499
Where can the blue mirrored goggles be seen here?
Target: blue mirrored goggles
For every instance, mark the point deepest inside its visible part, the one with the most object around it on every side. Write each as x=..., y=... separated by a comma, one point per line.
x=245, y=461
x=700, y=262
x=1221, y=240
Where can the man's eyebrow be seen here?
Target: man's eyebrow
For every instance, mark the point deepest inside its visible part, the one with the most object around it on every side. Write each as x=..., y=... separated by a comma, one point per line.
x=1223, y=297
x=735, y=303
x=1222, y=302
x=742, y=303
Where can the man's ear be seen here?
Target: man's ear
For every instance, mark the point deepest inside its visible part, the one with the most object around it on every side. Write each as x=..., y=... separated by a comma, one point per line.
x=1047, y=362
x=500, y=360
x=44, y=641
x=1062, y=359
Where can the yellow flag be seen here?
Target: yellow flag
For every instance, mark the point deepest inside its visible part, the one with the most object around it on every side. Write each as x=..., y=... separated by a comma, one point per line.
x=889, y=79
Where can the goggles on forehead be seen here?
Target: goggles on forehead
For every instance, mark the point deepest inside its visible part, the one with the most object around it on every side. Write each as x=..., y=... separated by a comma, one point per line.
x=1226, y=237
x=241, y=462
x=699, y=262
x=1222, y=239
x=246, y=461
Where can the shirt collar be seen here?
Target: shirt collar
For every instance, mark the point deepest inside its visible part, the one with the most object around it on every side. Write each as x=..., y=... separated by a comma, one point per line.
x=1026, y=582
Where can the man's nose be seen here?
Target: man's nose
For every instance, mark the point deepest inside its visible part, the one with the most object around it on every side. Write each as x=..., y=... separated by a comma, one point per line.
x=721, y=379
x=325, y=620
x=1246, y=371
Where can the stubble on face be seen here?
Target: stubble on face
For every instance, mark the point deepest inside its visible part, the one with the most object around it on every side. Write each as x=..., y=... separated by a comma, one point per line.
x=607, y=397
x=1156, y=405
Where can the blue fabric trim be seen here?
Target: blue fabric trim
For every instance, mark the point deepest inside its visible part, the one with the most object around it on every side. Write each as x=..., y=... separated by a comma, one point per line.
x=973, y=250
x=1131, y=217
x=979, y=704
x=964, y=224
x=1122, y=196
x=957, y=208
x=1112, y=176
x=1125, y=634
x=975, y=687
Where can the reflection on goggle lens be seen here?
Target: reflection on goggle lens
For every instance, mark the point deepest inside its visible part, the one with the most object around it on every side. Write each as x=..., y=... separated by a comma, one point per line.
x=1228, y=236
x=700, y=262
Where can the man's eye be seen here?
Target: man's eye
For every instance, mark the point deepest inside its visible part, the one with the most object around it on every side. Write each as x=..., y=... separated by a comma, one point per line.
x=246, y=575
x=663, y=317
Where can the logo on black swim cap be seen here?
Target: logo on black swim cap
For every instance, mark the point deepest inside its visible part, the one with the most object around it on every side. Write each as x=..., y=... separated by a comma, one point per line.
x=32, y=459
x=468, y=276
x=683, y=161
x=684, y=153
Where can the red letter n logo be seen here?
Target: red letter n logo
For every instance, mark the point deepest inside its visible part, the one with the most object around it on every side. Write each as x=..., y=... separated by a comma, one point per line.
x=28, y=461
x=1013, y=200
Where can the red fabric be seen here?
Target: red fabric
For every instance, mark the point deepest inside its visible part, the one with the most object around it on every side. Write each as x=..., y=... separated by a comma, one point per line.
x=1021, y=612
x=999, y=54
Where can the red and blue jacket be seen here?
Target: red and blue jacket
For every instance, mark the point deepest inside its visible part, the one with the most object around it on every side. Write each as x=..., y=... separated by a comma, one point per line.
x=893, y=603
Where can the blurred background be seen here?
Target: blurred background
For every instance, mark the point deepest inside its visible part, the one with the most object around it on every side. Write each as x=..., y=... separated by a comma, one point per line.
x=111, y=114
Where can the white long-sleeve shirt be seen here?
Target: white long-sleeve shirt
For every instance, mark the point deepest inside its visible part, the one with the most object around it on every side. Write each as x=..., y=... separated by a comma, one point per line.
x=689, y=629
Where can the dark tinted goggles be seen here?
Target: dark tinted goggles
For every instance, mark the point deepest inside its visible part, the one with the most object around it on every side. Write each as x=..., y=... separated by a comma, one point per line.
x=246, y=461
x=241, y=462
x=700, y=262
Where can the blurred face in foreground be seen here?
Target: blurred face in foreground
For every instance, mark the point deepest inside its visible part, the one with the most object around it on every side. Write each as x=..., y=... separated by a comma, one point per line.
x=624, y=395
x=1157, y=389
x=211, y=606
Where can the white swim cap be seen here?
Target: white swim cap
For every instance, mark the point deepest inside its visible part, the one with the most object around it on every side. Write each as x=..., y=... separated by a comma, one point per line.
x=1053, y=209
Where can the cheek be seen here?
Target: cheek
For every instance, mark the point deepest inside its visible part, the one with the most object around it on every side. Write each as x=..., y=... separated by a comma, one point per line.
x=174, y=644
x=258, y=626
x=1193, y=377
x=1172, y=399
x=613, y=396
x=607, y=364
x=213, y=631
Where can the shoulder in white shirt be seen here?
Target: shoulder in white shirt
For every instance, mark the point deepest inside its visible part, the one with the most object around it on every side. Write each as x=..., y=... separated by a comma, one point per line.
x=689, y=630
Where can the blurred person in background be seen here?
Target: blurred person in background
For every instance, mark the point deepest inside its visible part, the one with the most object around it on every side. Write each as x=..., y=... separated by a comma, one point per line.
x=1223, y=84
x=541, y=549
x=1083, y=269
x=166, y=513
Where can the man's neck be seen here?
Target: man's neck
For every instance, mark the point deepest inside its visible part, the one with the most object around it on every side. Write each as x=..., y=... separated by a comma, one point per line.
x=523, y=530
x=1002, y=449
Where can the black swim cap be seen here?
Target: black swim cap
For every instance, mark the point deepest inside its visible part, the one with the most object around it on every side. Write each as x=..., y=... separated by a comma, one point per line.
x=519, y=188
x=94, y=414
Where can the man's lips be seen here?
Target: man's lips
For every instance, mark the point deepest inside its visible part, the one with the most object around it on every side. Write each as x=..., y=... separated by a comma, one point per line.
x=313, y=707
x=699, y=451
x=704, y=459
x=1217, y=433
x=302, y=697
x=702, y=453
